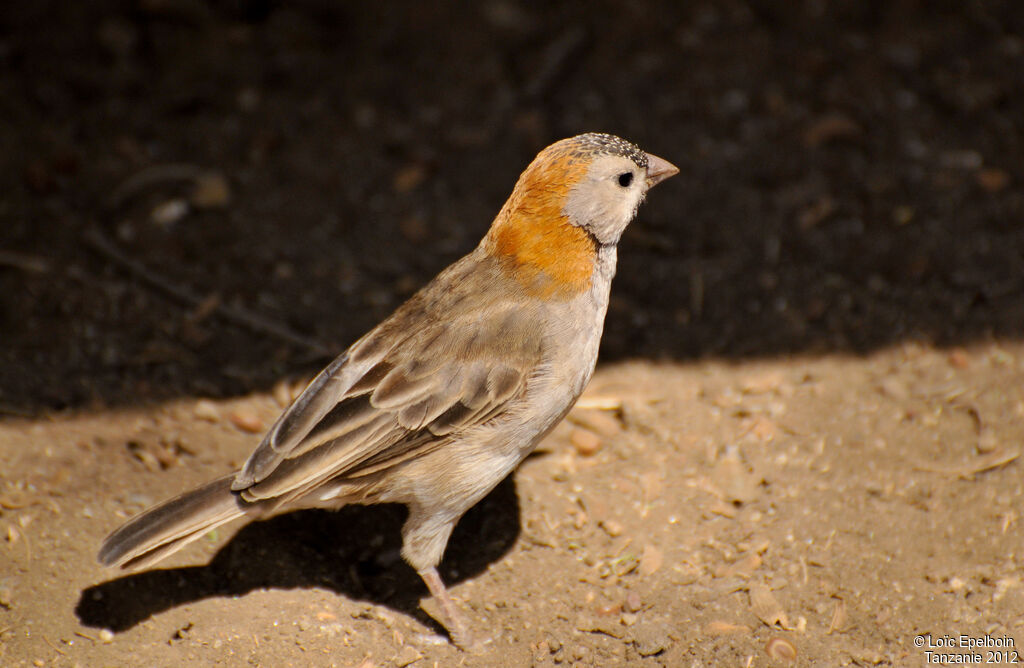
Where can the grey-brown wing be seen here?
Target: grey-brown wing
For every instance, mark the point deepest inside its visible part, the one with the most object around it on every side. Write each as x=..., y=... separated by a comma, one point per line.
x=368, y=411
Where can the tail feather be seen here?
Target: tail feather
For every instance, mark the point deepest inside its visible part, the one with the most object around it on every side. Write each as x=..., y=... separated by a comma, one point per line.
x=164, y=529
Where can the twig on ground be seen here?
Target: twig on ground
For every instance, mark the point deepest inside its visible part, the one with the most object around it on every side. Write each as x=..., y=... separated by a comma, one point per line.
x=98, y=242
x=150, y=176
x=32, y=264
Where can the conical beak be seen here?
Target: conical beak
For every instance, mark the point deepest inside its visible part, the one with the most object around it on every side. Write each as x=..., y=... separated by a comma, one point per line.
x=659, y=169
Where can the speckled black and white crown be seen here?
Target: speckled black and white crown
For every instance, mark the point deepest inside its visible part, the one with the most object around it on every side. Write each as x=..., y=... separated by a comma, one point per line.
x=599, y=142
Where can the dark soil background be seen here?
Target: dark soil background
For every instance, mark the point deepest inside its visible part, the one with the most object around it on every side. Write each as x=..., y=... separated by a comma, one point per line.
x=850, y=175
x=804, y=434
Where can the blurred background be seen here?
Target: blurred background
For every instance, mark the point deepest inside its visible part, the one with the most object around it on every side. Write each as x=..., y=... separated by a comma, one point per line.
x=202, y=197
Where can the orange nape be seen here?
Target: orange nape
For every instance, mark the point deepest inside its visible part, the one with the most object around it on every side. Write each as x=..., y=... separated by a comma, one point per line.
x=548, y=255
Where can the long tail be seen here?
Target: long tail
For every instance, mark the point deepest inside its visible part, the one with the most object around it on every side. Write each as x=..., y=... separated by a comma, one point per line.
x=164, y=529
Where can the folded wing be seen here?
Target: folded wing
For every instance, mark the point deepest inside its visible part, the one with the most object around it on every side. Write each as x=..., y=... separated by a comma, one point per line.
x=395, y=395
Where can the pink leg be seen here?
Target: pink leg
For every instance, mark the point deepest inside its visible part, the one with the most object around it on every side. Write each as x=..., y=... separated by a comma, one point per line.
x=452, y=619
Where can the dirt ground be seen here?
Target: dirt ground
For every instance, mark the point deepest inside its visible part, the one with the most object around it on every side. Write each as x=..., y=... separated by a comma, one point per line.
x=800, y=448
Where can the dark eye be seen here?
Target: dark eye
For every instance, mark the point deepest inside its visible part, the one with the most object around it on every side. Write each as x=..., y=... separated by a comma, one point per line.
x=625, y=179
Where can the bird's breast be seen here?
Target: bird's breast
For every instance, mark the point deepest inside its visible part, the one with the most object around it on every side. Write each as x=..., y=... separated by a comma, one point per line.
x=574, y=328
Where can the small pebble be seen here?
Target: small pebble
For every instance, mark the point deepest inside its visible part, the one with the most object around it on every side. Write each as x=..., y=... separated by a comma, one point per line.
x=407, y=656
x=762, y=383
x=993, y=179
x=651, y=560
x=959, y=359
x=817, y=212
x=248, y=99
x=585, y=441
x=414, y=229
x=719, y=627
x=211, y=191
x=780, y=648
x=962, y=159
x=599, y=422
x=987, y=442
x=894, y=388
x=409, y=177
x=903, y=214
x=766, y=607
x=830, y=128
x=838, y=617
x=738, y=485
x=170, y=212
x=282, y=394
x=651, y=638
x=206, y=410
x=612, y=528
x=579, y=652
x=247, y=422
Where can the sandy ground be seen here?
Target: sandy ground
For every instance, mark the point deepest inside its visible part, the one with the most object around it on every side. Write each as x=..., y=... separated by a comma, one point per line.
x=803, y=435
x=835, y=507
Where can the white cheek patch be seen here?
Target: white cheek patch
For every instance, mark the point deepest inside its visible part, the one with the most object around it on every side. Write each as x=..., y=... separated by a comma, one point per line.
x=603, y=208
x=599, y=204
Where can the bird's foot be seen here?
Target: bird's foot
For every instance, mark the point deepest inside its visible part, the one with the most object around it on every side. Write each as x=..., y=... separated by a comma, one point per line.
x=448, y=615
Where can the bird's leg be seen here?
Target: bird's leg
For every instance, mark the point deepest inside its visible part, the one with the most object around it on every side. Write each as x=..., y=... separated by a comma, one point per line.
x=452, y=619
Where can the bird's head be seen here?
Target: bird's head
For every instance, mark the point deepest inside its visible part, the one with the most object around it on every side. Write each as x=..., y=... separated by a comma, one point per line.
x=577, y=195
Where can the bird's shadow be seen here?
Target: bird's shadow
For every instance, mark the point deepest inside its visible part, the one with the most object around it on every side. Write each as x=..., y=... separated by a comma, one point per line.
x=353, y=551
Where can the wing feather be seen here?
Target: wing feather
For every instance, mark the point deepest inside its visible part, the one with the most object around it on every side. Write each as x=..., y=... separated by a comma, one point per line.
x=398, y=392
x=325, y=461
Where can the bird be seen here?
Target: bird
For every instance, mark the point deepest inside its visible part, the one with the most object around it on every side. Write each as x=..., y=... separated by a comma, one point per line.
x=444, y=398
